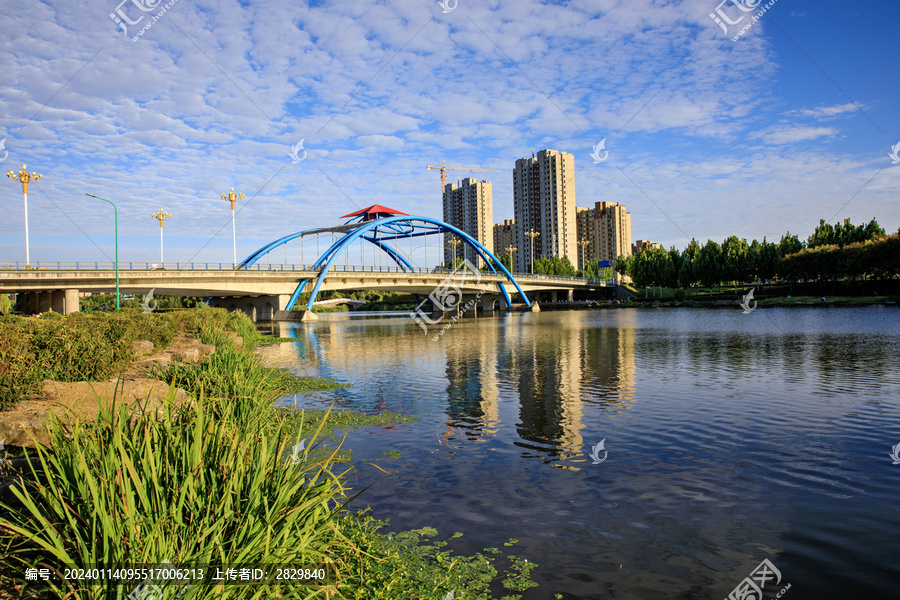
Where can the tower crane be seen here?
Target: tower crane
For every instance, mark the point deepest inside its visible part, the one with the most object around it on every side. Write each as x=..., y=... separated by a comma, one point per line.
x=444, y=170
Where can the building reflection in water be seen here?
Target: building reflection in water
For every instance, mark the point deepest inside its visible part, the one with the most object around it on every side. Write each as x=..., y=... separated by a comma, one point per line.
x=543, y=371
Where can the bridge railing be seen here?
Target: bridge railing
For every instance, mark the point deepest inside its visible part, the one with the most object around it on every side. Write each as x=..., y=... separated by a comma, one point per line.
x=209, y=266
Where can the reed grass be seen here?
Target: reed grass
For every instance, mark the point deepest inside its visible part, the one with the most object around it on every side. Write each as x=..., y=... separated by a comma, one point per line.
x=191, y=487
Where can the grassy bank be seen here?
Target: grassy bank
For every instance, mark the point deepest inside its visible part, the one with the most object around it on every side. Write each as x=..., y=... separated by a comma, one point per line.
x=95, y=347
x=228, y=480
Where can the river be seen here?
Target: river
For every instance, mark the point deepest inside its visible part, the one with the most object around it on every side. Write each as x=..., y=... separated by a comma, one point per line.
x=728, y=439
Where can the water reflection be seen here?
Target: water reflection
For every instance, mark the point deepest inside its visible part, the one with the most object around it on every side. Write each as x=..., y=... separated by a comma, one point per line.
x=731, y=438
x=555, y=366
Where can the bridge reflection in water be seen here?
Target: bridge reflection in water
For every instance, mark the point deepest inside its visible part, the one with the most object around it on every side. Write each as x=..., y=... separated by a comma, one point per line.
x=485, y=375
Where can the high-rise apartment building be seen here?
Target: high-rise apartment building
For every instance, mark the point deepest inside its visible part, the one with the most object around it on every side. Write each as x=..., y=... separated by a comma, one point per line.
x=469, y=208
x=641, y=245
x=607, y=229
x=544, y=202
x=504, y=237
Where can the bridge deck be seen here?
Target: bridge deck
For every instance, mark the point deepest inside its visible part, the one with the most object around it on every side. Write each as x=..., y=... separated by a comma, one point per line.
x=220, y=279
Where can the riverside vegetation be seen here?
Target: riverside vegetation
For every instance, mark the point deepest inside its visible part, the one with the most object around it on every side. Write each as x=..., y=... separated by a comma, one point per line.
x=210, y=482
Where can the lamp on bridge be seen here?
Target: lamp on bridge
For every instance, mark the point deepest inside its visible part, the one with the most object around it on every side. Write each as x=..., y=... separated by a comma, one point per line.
x=583, y=243
x=232, y=196
x=161, y=216
x=24, y=177
x=454, y=242
x=512, y=260
x=116, y=221
x=532, y=234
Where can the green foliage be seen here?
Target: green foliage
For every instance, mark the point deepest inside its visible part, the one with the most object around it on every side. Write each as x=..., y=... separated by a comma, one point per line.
x=789, y=244
x=188, y=488
x=505, y=260
x=5, y=304
x=877, y=258
x=767, y=257
x=593, y=270
x=95, y=347
x=404, y=565
x=708, y=264
x=686, y=271
x=843, y=234
x=74, y=348
x=232, y=373
x=736, y=260
x=107, y=302
x=624, y=265
x=653, y=266
x=554, y=265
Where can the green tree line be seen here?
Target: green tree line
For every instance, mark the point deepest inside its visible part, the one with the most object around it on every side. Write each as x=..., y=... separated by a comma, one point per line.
x=842, y=251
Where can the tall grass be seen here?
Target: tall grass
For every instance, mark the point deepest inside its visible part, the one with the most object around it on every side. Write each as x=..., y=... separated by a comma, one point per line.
x=230, y=373
x=188, y=488
x=95, y=347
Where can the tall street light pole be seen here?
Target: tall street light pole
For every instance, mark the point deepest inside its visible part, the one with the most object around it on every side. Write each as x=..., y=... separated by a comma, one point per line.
x=116, y=216
x=25, y=178
x=161, y=216
x=232, y=196
x=583, y=243
x=454, y=242
x=512, y=252
x=532, y=234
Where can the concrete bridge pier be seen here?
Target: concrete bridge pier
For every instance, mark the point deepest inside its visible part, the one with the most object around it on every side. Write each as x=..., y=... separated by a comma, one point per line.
x=258, y=308
x=491, y=303
x=32, y=303
x=45, y=302
x=65, y=302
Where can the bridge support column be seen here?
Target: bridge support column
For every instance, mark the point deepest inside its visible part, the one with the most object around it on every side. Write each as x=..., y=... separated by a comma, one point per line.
x=45, y=302
x=491, y=303
x=30, y=304
x=58, y=301
x=553, y=296
x=570, y=295
x=64, y=302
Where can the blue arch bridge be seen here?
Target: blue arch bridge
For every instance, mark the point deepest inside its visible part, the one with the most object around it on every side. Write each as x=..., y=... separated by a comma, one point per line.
x=267, y=291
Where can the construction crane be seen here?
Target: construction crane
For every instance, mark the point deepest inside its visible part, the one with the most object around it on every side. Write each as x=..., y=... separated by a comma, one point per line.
x=445, y=169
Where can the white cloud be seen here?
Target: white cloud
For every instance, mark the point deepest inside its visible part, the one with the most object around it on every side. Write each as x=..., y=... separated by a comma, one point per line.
x=826, y=112
x=789, y=134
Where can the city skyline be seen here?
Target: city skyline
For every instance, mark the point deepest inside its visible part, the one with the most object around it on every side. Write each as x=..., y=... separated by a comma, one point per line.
x=316, y=111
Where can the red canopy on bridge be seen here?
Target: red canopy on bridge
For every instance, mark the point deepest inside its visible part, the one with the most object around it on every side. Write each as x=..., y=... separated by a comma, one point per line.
x=376, y=211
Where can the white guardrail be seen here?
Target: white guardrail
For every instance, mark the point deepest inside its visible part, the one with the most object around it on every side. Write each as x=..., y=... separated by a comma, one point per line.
x=175, y=266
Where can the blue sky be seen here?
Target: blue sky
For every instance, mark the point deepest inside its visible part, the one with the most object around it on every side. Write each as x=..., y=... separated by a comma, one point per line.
x=707, y=137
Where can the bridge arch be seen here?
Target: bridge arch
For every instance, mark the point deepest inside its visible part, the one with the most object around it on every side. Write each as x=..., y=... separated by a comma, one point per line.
x=396, y=227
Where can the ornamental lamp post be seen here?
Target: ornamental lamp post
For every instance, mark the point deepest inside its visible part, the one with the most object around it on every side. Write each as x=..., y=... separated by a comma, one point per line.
x=532, y=234
x=232, y=196
x=25, y=178
x=512, y=260
x=454, y=242
x=161, y=216
x=116, y=216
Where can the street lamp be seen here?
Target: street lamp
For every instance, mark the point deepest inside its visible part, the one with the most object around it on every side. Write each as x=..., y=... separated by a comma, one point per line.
x=25, y=178
x=583, y=243
x=532, y=234
x=454, y=242
x=232, y=196
x=116, y=216
x=512, y=254
x=161, y=216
